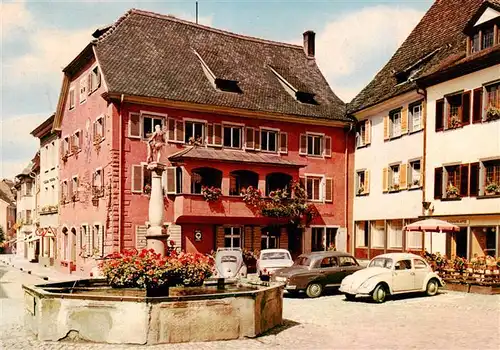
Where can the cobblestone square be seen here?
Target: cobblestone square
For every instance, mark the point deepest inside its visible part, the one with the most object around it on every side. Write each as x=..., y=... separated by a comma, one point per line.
x=449, y=320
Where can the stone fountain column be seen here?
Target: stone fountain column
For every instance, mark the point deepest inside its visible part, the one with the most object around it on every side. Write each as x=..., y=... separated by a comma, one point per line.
x=155, y=238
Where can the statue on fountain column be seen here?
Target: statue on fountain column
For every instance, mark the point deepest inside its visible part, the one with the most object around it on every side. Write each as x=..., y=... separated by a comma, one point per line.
x=155, y=144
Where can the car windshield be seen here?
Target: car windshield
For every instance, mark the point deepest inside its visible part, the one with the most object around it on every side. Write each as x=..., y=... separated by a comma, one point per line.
x=276, y=256
x=302, y=261
x=381, y=262
x=228, y=258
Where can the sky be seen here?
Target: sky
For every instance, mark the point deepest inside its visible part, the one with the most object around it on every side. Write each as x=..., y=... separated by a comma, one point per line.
x=354, y=39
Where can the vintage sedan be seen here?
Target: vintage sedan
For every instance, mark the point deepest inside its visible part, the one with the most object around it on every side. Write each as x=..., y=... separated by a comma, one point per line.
x=271, y=260
x=313, y=272
x=390, y=274
x=229, y=263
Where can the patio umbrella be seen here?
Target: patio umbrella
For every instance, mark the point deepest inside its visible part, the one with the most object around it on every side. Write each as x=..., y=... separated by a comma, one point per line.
x=431, y=225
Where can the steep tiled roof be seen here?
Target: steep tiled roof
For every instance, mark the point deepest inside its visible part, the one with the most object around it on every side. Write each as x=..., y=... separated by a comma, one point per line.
x=147, y=54
x=231, y=156
x=6, y=193
x=439, y=34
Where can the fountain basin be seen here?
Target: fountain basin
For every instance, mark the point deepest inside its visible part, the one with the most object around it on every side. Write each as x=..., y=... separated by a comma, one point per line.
x=92, y=311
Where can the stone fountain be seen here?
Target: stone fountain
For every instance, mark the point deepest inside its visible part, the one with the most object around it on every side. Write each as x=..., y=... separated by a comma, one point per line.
x=91, y=310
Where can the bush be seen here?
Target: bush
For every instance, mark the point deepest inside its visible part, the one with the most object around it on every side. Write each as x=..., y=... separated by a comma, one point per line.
x=146, y=269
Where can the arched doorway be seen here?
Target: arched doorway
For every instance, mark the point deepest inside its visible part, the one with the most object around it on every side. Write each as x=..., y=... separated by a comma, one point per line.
x=65, y=243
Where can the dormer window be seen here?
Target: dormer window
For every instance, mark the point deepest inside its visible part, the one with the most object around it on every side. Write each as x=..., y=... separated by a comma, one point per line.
x=216, y=80
x=483, y=30
x=293, y=86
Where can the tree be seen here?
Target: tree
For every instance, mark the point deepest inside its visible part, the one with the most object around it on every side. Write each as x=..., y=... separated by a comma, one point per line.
x=2, y=234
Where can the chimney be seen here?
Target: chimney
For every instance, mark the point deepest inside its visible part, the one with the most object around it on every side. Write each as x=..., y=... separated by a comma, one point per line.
x=309, y=43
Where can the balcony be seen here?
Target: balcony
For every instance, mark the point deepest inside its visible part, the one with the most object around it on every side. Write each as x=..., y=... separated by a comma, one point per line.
x=228, y=209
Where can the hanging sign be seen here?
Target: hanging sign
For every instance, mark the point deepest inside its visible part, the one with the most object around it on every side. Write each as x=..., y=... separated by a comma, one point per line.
x=198, y=235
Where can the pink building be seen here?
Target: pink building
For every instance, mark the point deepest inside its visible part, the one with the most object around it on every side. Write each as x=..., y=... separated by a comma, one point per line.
x=262, y=114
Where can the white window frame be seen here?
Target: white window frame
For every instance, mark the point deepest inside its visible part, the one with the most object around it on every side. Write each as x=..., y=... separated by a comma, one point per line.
x=322, y=140
x=416, y=126
x=196, y=121
x=411, y=173
x=84, y=81
x=65, y=146
x=269, y=131
x=360, y=175
x=240, y=127
x=321, y=179
x=232, y=235
x=360, y=136
x=392, y=237
x=324, y=228
x=153, y=117
x=103, y=132
x=72, y=101
x=391, y=176
x=74, y=190
x=375, y=243
x=392, y=119
x=75, y=141
x=411, y=238
x=91, y=76
x=268, y=237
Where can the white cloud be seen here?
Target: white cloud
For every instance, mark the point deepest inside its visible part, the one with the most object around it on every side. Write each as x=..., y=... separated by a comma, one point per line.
x=348, y=46
x=18, y=146
x=14, y=16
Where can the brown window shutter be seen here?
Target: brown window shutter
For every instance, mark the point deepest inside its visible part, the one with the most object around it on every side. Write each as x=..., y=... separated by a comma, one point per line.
x=477, y=106
x=440, y=115
x=179, y=131
x=403, y=177
x=218, y=134
x=302, y=181
x=171, y=173
x=474, y=180
x=171, y=129
x=385, y=178
x=210, y=134
x=283, y=142
x=103, y=126
x=328, y=146
x=257, y=139
x=386, y=128
x=303, y=144
x=466, y=108
x=249, y=138
x=368, y=132
x=136, y=178
x=70, y=188
x=438, y=183
x=404, y=120
x=464, y=180
x=366, y=185
x=80, y=139
x=135, y=125
x=329, y=190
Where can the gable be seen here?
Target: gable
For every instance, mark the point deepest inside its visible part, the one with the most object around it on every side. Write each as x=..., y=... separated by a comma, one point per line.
x=487, y=15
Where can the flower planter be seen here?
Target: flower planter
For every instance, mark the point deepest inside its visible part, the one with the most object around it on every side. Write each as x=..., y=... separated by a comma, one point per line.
x=484, y=289
x=457, y=287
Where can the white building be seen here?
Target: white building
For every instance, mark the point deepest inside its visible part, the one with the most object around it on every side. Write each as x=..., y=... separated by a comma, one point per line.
x=48, y=204
x=463, y=141
x=26, y=203
x=390, y=189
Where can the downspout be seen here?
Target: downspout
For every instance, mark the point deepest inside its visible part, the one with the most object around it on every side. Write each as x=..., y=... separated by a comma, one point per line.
x=424, y=154
x=346, y=172
x=120, y=177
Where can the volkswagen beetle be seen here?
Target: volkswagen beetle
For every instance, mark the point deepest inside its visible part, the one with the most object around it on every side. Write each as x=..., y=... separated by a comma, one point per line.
x=229, y=263
x=390, y=274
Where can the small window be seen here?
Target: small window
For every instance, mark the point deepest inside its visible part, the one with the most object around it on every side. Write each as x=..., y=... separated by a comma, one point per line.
x=314, y=145
x=347, y=261
x=362, y=233
x=414, y=176
x=65, y=146
x=268, y=140
x=491, y=177
x=313, y=188
x=149, y=124
x=394, y=177
x=361, y=135
x=194, y=133
x=360, y=182
x=416, y=117
x=452, y=178
x=95, y=79
x=95, y=240
x=83, y=88
x=395, y=124
x=232, y=237
x=492, y=98
x=403, y=265
x=71, y=98
x=269, y=241
x=419, y=264
x=476, y=44
x=488, y=36
x=232, y=136
x=454, y=119
x=75, y=147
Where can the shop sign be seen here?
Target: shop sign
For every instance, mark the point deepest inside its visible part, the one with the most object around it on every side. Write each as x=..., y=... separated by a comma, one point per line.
x=458, y=221
x=198, y=235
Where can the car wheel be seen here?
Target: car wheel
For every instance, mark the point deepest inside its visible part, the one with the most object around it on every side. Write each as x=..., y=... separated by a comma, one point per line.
x=350, y=297
x=432, y=287
x=314, y=290
x=379, y=294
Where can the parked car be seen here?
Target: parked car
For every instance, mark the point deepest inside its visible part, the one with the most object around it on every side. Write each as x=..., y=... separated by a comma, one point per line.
x=271, y=260
x=313, y=272
x=390, y=274
x=229, y=263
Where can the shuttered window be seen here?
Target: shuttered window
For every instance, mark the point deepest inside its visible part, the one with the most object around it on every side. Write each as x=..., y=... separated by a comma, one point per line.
x=257, y=139
x=171, y=129
x=303, y=144
x=466, y=108
x=218, y=134
x=327, y=151
x=439, y=115
x=249, y=138
x=477, y=106
x=329, y=189
x=137, y=178
x=179, y=131
x=464, y=180
x=171, y=180
x=474, y=180
x=210, y=134
x=134, y=129
x=438, y=183
x=283, y=142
